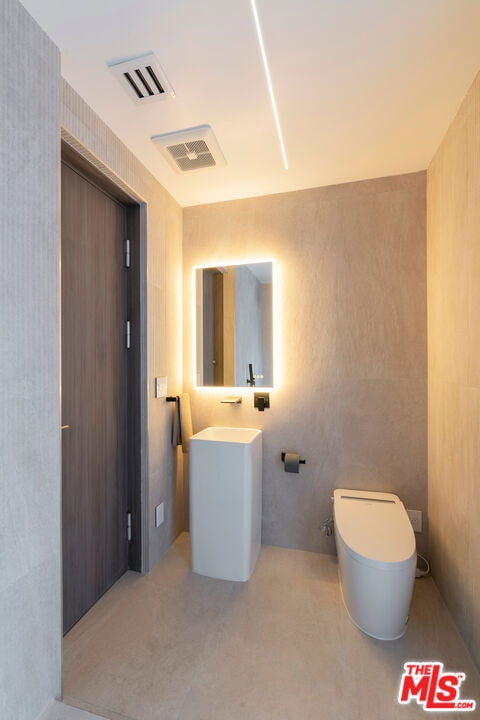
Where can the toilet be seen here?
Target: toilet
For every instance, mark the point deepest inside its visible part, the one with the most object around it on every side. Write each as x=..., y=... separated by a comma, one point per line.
x=377, y=560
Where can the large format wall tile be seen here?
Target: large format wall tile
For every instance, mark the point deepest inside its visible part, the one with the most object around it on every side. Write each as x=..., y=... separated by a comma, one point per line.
x=454, y=366
x=381, y=286
x=30, y=576
x=351, y=323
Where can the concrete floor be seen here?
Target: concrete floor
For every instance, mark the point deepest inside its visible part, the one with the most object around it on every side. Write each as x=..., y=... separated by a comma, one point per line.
x=172, y=645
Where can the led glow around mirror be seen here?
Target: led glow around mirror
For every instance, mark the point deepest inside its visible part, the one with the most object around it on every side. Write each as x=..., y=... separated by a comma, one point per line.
x=234, y=325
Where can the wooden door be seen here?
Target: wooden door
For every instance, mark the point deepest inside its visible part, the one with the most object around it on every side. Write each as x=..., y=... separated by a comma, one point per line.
x=94, y=393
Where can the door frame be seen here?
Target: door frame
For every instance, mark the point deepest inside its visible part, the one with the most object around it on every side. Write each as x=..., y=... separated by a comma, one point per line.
x=92, y=170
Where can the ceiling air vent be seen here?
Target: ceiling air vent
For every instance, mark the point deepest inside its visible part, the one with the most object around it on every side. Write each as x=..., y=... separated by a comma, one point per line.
x=143, y=78
x=190, y=149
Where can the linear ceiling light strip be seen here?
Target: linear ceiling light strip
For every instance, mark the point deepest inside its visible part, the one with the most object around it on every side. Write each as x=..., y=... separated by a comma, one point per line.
x=269, y=82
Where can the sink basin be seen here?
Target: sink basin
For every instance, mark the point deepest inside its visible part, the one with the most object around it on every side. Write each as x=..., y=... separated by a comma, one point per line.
x=225, y=501
x=227, y=434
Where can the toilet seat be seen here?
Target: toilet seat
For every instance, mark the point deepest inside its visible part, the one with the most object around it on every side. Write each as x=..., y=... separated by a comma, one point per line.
x=375, y=528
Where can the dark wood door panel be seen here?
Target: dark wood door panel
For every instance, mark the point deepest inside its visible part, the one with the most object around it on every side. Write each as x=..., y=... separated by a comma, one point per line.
x=94, y=376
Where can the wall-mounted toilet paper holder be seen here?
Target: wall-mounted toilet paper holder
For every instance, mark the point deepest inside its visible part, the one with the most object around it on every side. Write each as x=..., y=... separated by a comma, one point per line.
x=302, y=462
x=292, y=462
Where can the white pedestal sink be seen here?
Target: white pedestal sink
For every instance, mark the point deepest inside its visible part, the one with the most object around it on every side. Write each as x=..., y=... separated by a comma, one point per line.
x=225, y=501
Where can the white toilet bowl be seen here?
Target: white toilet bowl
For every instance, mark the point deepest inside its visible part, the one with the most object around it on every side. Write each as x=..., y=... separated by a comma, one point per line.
x=377, y=560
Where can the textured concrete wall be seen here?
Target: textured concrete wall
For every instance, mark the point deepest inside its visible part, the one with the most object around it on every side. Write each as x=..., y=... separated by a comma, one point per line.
x=454, y=367
x=30, y=473
x=351, y=327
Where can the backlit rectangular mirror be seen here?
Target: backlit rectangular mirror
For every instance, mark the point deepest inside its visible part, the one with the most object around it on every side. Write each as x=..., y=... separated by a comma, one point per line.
x=234, y=325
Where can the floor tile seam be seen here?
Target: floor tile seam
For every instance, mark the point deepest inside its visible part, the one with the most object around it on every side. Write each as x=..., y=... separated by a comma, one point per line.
x=95, y=709
x=104, y=607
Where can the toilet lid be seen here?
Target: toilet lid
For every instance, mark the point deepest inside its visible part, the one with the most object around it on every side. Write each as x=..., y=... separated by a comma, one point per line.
x=374, y=526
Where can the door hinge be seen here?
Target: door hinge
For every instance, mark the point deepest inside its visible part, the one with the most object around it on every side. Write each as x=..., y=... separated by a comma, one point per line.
x=127, y=253
x=128, y=334
x=129, y=526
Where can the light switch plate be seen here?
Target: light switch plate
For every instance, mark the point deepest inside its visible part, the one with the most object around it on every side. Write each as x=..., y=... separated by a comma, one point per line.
x=161, y=386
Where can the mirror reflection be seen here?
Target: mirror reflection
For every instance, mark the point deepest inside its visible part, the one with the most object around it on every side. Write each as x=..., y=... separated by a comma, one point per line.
x=234, y=325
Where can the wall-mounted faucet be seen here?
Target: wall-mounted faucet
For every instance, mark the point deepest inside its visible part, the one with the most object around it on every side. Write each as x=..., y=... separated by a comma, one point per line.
x=261, y=400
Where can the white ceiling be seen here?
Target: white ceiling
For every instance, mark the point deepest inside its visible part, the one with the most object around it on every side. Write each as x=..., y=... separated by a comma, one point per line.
x=365, y=88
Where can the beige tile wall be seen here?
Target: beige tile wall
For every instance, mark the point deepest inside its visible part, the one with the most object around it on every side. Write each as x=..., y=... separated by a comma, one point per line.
x=454, y=366
x=352, y=399
x=162, y=312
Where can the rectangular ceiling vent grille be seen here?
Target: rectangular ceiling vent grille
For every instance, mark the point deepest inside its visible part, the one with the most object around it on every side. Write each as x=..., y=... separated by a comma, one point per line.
x=191, y=149
x=143, y=78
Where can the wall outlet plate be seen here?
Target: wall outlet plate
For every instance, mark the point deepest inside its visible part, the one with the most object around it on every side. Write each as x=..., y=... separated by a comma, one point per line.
x=415, y=517
x=159, y=515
